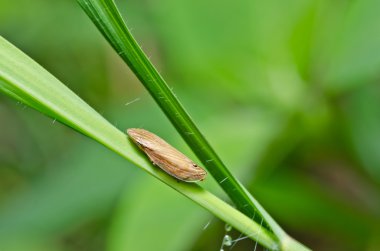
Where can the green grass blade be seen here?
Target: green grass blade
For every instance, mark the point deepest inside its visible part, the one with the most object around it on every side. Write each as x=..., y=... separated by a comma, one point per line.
x=24, y=80
x=107, y=18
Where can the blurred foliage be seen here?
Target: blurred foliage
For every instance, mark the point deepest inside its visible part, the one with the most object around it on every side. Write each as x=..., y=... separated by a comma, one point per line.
x=294, y=112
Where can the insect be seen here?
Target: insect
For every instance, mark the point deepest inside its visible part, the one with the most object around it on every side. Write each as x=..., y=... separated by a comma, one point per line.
x=166, y=156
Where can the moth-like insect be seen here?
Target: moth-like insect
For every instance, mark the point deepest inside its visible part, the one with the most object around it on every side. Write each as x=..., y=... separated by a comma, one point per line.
x=166, y=156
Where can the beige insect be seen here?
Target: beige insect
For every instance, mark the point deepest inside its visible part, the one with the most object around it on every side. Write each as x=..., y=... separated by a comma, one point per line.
x=166, y=157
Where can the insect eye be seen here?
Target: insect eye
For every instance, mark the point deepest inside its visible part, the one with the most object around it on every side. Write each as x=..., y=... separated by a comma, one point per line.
x=195, y=165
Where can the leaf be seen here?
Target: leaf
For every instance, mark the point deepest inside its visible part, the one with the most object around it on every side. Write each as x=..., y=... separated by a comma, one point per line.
x=23, y=79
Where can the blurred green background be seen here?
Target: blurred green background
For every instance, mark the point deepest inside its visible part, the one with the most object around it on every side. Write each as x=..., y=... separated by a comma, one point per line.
x=286, y=91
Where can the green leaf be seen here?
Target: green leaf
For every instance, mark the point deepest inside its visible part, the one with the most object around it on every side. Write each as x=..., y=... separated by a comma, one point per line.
x=107, y=18
x=25, y=80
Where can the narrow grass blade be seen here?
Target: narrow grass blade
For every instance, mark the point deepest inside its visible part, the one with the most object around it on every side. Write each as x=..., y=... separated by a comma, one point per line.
x=108, y=20
x=24, y=80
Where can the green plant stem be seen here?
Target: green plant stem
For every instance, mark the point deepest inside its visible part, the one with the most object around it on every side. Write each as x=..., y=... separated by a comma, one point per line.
x=107, y=18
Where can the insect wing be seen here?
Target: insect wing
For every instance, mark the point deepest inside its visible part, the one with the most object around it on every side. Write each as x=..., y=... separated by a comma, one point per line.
x=176, y=164
x=167, y=157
